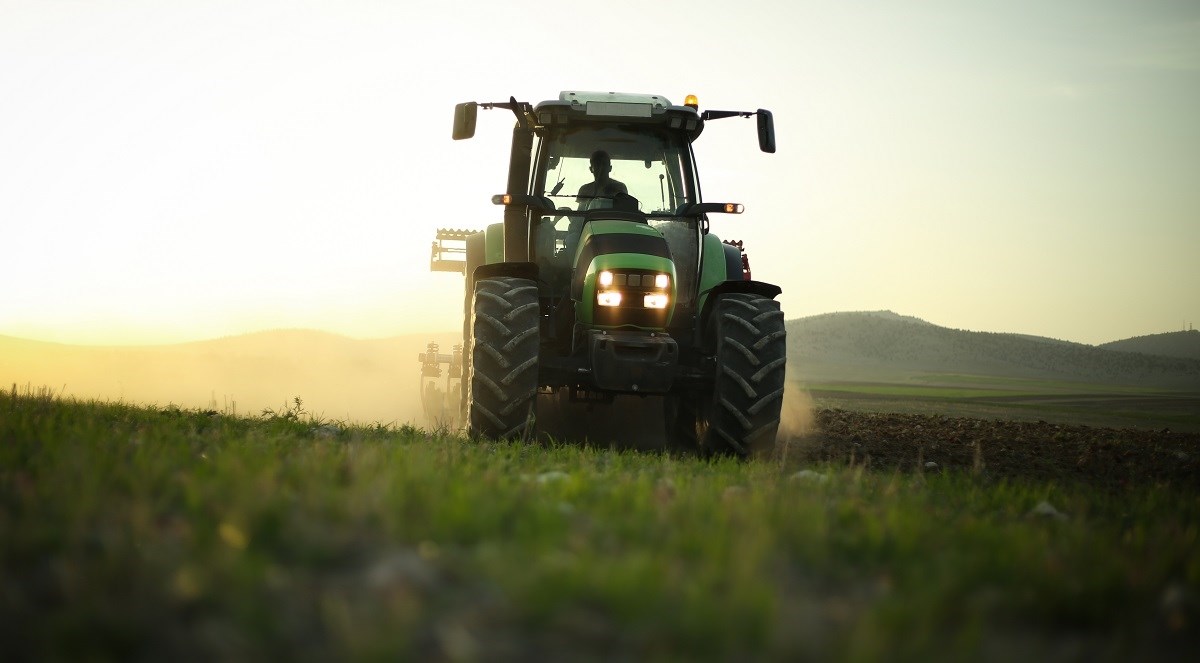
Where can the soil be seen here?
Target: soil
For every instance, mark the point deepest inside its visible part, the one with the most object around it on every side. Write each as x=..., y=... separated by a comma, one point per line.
x=1001, y=449
x=994, y=448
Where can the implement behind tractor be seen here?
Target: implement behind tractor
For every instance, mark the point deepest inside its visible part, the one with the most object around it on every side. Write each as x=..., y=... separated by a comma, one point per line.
x=441, y=391
x=604, y=279
x=449, y=251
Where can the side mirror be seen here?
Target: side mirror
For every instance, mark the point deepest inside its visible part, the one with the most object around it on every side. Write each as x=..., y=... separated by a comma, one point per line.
x=766, y=131
x=464, y=119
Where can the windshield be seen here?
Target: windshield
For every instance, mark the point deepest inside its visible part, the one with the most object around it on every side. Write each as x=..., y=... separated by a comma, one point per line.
x=651, y=165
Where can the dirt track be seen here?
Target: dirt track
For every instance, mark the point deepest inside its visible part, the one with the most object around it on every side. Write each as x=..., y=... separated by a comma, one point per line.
x=1002, y=449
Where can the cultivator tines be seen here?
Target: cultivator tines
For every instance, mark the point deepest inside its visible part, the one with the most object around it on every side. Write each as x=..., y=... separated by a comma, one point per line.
x=745, y=258
x=449, y=250
x=431, y=361
x=441, y=392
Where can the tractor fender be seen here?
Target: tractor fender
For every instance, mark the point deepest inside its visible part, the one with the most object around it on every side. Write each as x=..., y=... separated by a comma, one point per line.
x=733, y=262
x=488, y=249
x=518, y=270
x=768, y=290
x=475, y=256
x=493, y=243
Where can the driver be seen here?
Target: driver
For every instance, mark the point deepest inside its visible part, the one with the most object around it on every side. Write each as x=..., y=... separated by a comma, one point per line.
x=604, y=186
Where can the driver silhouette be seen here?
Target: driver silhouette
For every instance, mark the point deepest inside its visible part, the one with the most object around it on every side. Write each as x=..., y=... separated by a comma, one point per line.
x=603, y=186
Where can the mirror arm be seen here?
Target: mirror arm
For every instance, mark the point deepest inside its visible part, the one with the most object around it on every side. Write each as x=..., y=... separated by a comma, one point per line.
x=536, y=203
x=766, y=124
x=719, y=114
x=522, y=109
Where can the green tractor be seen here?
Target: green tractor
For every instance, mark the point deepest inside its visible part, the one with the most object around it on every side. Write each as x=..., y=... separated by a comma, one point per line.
x=604, y=279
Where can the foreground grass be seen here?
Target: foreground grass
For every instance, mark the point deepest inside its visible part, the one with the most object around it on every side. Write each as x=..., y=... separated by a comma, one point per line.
x=130, y=532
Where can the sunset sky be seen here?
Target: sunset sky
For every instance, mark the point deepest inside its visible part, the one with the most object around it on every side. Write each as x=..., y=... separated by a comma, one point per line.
x=183, y=170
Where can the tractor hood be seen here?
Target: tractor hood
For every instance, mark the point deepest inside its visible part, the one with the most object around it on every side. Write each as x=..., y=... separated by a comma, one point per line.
x=624, y=275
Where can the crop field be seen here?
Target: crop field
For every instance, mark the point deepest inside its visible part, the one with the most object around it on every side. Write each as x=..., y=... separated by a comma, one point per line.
x=1016, y=398
x=156, y=532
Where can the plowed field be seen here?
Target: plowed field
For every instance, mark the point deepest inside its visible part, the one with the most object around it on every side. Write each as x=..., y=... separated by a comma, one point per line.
x=1001, y=449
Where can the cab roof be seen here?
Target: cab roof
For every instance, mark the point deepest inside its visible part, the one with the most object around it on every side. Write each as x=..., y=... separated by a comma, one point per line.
x=584, y=97
x=582, y=106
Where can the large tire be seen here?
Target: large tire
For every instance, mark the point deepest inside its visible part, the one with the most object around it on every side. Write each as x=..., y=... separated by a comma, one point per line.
x=504, y=358
x=742, y=415
x=475, y=257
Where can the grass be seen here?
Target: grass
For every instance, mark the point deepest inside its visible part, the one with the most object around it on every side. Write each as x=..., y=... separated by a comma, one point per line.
x=133, y=532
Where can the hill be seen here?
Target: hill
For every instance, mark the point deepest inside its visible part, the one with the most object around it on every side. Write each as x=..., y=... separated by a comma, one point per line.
x=870, y=346
x=1183, y=344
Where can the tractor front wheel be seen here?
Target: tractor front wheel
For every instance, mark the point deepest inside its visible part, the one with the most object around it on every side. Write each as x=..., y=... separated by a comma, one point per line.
x=504, y=358
x=742, y=415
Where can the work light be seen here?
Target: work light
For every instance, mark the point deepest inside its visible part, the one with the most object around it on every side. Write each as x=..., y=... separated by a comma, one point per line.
x=657, y=300
x=609, y=298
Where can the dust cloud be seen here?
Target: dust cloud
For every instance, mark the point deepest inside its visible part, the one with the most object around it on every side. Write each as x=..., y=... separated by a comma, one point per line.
x=336, y=378
x=797, y=418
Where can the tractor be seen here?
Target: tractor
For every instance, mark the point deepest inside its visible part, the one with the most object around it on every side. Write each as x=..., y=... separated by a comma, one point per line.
x=604, y=279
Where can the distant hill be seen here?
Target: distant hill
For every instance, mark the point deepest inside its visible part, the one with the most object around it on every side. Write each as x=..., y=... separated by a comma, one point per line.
x=874, y=346
x=1183, y=344
x=886, y=315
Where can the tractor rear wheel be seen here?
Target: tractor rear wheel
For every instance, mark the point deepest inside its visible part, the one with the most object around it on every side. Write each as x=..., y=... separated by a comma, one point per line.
x=742, y=415
x=504, y=358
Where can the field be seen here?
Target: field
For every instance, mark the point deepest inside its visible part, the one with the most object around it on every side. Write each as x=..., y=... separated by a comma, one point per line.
x=1018, y=399
x=164, y=533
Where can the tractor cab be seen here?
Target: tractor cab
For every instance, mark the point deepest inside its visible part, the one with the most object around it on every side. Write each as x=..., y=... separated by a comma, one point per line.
x=649, y=181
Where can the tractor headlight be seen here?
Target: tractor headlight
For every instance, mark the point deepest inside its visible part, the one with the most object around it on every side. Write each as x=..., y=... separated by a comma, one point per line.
x=635, y=289
x=656, y=300
x=608, y=297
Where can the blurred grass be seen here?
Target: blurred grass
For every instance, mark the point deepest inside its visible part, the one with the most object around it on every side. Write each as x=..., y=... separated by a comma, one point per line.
x=130, y=532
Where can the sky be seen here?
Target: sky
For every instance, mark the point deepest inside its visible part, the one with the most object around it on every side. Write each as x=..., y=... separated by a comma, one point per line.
x=184, y=170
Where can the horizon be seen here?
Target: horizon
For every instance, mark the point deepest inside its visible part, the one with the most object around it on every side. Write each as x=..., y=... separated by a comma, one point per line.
x=190, y=171
x=452, y=332
x=376, y=380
